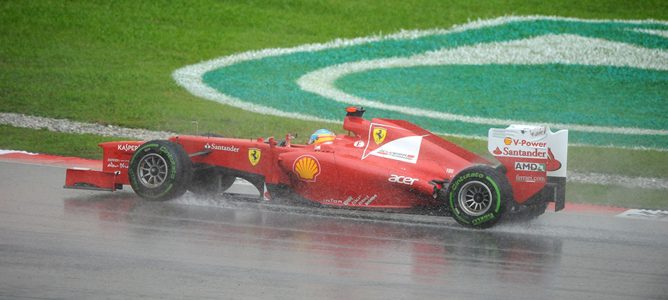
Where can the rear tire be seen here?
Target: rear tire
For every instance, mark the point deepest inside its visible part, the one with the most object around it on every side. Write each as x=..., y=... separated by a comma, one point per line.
x=478, y=195
x=160, y=170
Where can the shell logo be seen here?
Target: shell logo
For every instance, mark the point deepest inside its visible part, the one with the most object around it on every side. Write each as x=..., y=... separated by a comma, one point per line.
x=307, y=168
x=507, y=141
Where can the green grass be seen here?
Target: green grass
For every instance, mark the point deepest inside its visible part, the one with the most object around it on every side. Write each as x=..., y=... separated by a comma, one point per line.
x=44, y=141
x=110, y=62
x=638, y=95
x=617, y=196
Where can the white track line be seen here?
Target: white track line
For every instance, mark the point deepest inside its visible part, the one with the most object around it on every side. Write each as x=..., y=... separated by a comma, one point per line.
x=619, y=180
x=645, y=214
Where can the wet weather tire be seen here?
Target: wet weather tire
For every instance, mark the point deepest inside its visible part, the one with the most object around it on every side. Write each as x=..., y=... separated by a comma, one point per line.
x=478, y=195
x=160, y=170
x=209, y=182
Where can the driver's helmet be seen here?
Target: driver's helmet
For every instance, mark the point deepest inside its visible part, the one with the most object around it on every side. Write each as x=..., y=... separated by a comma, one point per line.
x=321, y=136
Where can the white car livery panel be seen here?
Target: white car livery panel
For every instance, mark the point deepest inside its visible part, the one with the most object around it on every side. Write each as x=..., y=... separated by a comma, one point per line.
x=531, y=142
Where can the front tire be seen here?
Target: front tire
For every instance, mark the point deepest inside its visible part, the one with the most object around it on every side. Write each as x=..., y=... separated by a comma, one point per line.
x=478, y=195
x=160, y=170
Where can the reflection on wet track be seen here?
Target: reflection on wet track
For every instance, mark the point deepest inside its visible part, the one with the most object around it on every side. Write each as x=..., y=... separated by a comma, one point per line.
x=58, y=243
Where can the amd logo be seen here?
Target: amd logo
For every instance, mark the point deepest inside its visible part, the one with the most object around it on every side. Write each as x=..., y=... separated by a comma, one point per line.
x=402, y=179
x=528, y=166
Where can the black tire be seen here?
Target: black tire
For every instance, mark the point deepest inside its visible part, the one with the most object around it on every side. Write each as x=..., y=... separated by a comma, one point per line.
x=160, y=170
x=478, y=195
x=209, y=182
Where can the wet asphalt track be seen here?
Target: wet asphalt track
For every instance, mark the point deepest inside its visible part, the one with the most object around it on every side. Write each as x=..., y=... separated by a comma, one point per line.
x=70, y=244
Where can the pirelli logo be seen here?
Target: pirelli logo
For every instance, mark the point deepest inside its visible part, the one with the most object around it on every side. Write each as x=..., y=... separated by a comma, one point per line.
x=529, y=166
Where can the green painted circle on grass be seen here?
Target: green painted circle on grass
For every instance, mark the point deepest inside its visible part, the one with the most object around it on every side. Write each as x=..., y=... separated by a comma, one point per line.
x=612, y=96
x=605, y=92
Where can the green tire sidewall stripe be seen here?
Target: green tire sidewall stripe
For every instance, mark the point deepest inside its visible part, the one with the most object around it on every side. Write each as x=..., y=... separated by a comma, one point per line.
x=163, y=151
x=170, y=157
x=498, y=194
x=455, y=210
x=132, y=173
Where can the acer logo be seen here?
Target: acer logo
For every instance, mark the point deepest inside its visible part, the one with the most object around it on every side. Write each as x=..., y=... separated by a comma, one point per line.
x=402, y=179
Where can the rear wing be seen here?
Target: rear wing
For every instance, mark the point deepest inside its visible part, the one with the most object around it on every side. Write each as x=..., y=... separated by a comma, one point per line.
x=534, y=157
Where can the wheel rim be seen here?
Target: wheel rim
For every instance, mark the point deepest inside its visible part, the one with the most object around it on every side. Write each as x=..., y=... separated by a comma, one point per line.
x=152, y=171
x=475, y=198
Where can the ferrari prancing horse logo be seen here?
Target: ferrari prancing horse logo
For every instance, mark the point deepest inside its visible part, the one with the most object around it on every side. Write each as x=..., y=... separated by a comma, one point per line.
x=254, y=155
x=379, y=134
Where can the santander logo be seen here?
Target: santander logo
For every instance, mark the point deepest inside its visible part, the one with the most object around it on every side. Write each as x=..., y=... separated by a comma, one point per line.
x=552, y=163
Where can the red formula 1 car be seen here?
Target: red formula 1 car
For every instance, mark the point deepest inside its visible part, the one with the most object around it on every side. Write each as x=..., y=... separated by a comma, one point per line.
x=379, y=164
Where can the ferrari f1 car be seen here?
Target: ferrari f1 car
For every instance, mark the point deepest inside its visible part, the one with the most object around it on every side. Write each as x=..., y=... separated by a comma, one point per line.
x=379, y=164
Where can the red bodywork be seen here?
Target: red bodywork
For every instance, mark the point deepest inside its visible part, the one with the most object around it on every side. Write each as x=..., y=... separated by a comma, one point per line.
x=380, y=163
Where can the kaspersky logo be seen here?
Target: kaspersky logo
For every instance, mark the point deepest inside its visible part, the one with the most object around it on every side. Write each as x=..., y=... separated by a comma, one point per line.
x=324, y=77
x=127, y=147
